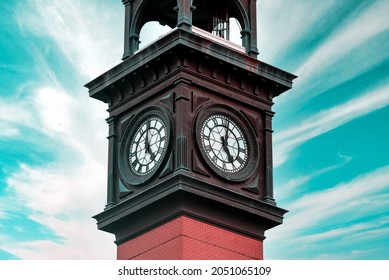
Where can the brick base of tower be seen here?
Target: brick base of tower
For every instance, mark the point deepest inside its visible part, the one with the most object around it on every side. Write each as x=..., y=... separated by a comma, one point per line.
x=185, y=238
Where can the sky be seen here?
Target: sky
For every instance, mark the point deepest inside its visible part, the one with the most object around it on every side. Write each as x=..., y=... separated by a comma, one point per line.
x=331, y=131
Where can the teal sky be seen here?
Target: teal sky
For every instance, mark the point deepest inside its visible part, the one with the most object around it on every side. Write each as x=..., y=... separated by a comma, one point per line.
x=331, y=139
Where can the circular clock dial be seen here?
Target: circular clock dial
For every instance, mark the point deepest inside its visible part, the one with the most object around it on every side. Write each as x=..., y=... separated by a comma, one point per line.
x=224, y=143
x=147, y=146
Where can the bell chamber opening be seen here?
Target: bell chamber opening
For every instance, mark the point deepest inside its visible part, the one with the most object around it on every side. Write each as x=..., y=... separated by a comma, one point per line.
x=151, y=32
x=231, y=20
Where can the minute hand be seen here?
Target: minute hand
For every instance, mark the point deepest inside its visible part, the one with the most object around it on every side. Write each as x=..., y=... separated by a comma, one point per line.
x=147, y=144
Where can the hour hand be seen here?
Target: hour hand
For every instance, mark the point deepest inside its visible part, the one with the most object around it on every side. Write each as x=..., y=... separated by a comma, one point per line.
x=152, y=154
x=225, y=148
x=148, y=148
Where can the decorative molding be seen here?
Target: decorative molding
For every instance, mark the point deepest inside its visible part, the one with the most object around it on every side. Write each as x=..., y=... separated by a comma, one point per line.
x=181, y=152
x=169, y=167
x=168, y=100
x=123, y=190
x=197, y=166
x=198, y=100
x=253, y=187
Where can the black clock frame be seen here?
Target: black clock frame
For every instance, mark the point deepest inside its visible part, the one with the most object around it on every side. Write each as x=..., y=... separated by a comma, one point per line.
x=253, y=150
x=126, y=173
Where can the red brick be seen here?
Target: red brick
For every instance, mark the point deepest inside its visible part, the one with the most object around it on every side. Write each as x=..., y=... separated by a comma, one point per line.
x=189, y=239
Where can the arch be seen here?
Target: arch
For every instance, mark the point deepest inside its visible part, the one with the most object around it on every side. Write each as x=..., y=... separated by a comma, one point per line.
x=197, y=12
x=243, y=11
x=138, y=13
x=151, y=31
x=205, y=10
x=154, y=10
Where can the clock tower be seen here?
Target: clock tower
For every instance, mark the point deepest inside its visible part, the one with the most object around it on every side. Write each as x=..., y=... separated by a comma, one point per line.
x=190, y=135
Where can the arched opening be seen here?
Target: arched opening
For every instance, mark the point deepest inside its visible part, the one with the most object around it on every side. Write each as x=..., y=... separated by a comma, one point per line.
x=235, y=30
x=223, y=18
x=151, y=32
x=228, y=19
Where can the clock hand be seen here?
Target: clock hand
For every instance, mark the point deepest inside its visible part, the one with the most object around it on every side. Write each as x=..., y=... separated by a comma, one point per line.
x=147, y=135
x=147, y=146
x=150, y=151
x=225, y=125
x=227, y=130
x=152, y=155
x=225, y=148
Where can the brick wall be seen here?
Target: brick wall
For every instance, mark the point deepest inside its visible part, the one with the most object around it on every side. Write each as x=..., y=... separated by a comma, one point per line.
x=189, y=239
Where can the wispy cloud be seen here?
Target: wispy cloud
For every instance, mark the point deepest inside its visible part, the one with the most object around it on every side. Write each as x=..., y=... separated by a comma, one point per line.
x=58, y=201
x=290, y=188
x=12, y=116
x=326, y=120
x=355, y=47
x=347, y=210
x=63, y=195
x=80, y=30
x=359, y=29
x=349, y=255
x=275, y=35
x=342, y=233
x=55, y=195
x=315, y=207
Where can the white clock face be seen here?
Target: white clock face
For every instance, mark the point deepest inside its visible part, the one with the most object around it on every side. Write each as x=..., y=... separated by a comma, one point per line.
x=224, y=143
x=147, y=146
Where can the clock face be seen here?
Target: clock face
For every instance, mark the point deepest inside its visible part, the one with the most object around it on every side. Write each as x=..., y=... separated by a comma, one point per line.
x=224, y=143
x=147, y=146
x=144, y=146
x=227, y=142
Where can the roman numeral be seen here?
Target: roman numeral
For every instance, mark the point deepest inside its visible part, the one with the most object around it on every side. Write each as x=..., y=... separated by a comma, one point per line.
x=242, y=150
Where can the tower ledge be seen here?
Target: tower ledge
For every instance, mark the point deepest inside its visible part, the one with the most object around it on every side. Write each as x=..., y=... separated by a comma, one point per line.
x=192, y=42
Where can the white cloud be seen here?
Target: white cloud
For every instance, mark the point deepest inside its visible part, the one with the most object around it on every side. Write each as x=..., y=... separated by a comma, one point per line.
x=342, y=233
x=344, y=198
x=82, y=30
x=54, y=118
x=357, y=45
x=280, y=23
x=62, y=198
x=337, y=209
x=64, y=194
x=3, y=214
x=8, y=131
x=287, y=189
x=12, y=116
x=284, y=191
x=326, y=120
x=362, y=27
x=348, y=255
x=76, y=121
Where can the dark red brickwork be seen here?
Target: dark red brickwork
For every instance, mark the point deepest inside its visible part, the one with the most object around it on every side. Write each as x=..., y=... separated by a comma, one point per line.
x=187, y=239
